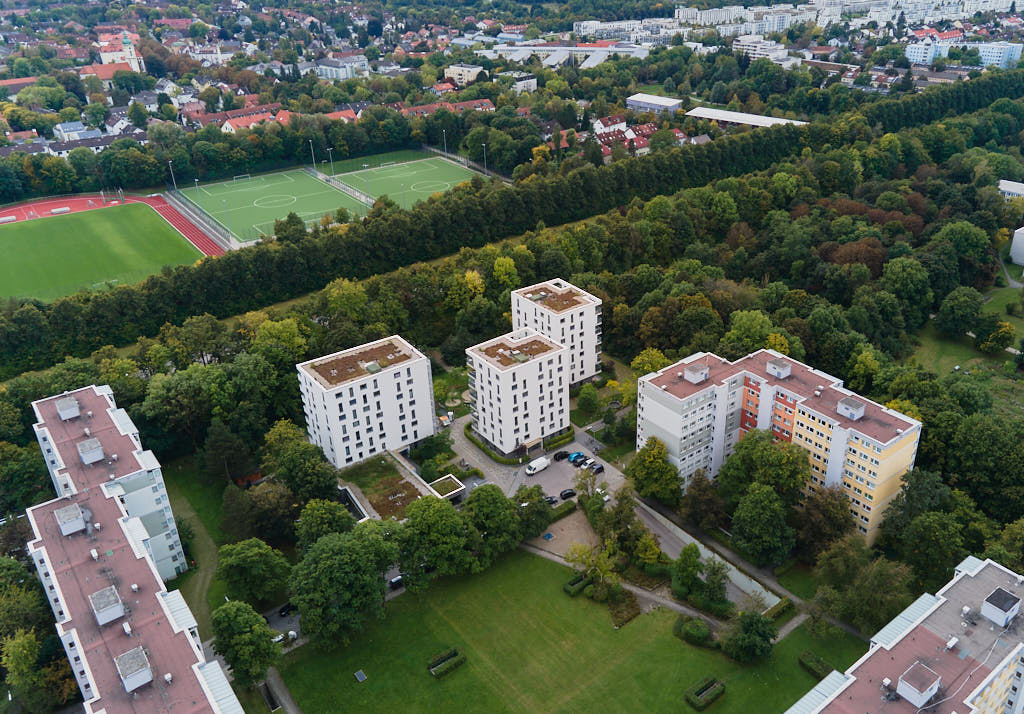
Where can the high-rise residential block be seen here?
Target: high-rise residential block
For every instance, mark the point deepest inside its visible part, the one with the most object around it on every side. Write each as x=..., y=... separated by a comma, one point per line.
x=702, y=406
x=367, y=399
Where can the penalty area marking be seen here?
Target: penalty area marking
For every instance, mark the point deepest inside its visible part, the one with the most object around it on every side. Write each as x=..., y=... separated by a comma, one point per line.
x=274, y=201
x=430, y=186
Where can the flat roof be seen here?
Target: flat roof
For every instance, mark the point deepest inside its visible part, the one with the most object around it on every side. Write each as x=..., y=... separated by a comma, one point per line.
x=725, y=115
x=654, y=99
x=814, y=390
x=920, y=677
x=333, y=370
x=514, y=349
x=557, y=295
x=102, y=599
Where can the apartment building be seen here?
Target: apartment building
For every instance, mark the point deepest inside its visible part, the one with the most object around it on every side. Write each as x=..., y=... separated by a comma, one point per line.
x=464, y=74
x=367, y=399
x=519, y=388
x=958, y=650
x=564, y=314
x=702, y=406
x=102, y=550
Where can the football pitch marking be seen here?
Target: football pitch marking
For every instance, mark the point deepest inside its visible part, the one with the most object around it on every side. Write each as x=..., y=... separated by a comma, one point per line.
x=275, y=200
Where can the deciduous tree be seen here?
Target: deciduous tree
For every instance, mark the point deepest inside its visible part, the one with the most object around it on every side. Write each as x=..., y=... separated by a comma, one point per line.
x=759, y=526
x=653, y=475
x=245, y=641
x=252, y=570
x=320, y=517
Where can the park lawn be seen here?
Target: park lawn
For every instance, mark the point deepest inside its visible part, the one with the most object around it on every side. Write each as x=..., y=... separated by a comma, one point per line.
x=532, y=648
x=251, y=700
x=800, y=581
x=1016, y=271
x=450, y=385
x=204, y=493
x=998, y=299
x=49, y=257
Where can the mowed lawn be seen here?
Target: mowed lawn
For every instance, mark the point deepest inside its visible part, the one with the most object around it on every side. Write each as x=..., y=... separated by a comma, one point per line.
x=531, y=648
x=49, y=257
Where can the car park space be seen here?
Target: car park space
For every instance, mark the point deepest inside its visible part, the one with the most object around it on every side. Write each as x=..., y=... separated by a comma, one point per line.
x=561, y=475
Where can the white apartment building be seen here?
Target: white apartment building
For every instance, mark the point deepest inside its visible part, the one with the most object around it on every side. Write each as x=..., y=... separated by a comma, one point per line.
x=702, y=406
x=102, y=550
x=757, y=47
x=464, y=74
x=107, y=450
x=367, y=399
x=520, y=390
x=567, y=315
x=521, y=81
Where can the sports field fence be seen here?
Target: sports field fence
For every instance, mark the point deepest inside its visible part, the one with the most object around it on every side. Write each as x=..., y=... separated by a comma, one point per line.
x=214, y=228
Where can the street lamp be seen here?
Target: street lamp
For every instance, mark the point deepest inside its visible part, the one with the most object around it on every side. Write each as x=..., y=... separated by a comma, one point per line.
x=330, y=152
x=199, y=198
x=485, y=157
x=170, y=165
x=366, y=180
x=444, y=135
x=312, y=154
x=403, y=195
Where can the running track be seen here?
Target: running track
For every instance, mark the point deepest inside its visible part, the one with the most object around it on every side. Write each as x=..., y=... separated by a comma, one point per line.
x=185, y=227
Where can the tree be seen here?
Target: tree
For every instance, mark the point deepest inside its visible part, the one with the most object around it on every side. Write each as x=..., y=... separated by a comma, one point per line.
x=649, y=360
x=748, y=331
x=291, y=229
x=318, y=518
x=21, y=653
x=138, y=115
x=252, y=570
x=716, y=578
x=533, y=511
x=236, y=519
x=339, y=583
x=653, y=475
x=274, y=509
x=686, y=570
x=245, y=641
x=921, y=491
x=434, y=541
x=992, y=335
x=908, y=280
x=587, y=401
x=932, y=546
x=701, y=504
x=759, y=526
x=823, y=519
x=306, y=472
x=593, y=561
x=494, y=517
x=226, y=455
x=959, y=311
x=757, y=459
x=749, y=637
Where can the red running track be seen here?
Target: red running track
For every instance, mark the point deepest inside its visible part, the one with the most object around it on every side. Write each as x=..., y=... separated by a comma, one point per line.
x=179, y=222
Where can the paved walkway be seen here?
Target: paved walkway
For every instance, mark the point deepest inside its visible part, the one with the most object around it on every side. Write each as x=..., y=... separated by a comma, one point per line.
x=281, y=693
x=790, y=626
x=1009, y=281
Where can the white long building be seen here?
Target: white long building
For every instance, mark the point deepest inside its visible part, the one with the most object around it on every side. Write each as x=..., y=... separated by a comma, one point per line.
x=519, y=388
x=564, y=314
x=367, y=399
x=102, y=550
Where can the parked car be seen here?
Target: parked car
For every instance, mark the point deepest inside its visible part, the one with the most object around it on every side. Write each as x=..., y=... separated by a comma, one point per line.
x=537, y=465
x=396, y=582
x=567, y=494
x=561, y=455
x=575, y=456
x=597, y=468
x=603, y=494
x=551, y=500
x=287, y=609
x=585, y=463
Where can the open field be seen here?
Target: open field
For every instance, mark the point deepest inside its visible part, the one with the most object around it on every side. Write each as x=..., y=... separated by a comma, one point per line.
x=248, y=207
x=49, y=257
x=532, y=648
x=409, y=182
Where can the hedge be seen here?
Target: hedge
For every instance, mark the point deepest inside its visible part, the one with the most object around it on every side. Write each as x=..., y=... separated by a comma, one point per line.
x=468, y=431
x=560, y=440
x=442, y=657
x=814, y=664
x=703, y=693
x=694, y=631
x=575, y=586
x=448, y=665
x=782, y=607
x=562, y=510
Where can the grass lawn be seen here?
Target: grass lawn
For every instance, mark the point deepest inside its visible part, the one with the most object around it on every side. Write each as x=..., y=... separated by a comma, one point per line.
x=383, y=485
x=1016, y=271
x=800, y=581
x=532, y=648
x=582, y=418
x=998, y=299
x=409, y=182
x=344, y=166
x=49, y=257
x=449, y=386
x=251, y=700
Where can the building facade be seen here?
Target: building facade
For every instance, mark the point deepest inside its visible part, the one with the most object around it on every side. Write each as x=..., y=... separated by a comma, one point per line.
x=519, y=388
x=464, y=74
x=702, y=406
x=102, y=550
x=567, y=315
x=652, y=103
x=367, y=399
x=956, y=651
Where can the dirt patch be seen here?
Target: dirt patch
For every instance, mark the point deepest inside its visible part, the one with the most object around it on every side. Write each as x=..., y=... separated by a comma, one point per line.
x=574, y=528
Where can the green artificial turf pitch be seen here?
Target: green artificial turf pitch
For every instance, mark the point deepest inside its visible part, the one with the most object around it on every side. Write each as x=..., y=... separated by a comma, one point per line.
x=248, y=207
x=409, y=182
x=49, y=257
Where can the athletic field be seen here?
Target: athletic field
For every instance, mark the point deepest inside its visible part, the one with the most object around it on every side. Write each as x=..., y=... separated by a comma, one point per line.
x=407, y=182
x=248, y=207
x=49, y=257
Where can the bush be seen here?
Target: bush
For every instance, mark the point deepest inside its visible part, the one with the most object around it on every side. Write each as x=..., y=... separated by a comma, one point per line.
x=588, y=592
x=697, y=632
x=703, y=693
x=657, y=570
x=562, y=510
x=785, y=567
x=814, y=664
x=575, y=586
x=448, y=665
x=776, y=611
x=468, y=431
x=560, y=439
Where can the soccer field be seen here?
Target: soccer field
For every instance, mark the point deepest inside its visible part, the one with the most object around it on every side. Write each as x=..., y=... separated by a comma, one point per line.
x=407, y=183
x=49, y=257
x=248, y=207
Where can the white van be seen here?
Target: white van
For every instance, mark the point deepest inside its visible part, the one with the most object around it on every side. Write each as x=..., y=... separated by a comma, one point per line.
x=537, y=465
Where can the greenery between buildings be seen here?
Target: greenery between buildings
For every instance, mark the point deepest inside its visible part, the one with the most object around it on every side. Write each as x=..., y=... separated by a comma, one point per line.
x=702, y=694
x=491, y=454
x=814, y=664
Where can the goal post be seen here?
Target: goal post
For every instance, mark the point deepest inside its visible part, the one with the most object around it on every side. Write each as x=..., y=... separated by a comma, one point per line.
x=242, y=177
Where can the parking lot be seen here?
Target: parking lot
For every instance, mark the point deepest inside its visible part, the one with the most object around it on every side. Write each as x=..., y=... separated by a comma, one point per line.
x=561, y=475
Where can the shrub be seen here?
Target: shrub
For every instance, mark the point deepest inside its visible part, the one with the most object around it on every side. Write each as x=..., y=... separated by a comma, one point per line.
x=785, y=567
x=703, y=693
x=696, y=632
x=814, y=664
x=562, y=510
x=588, y=591
x=575, y=586
x=468, y=431
x=657, y=570
x=560, y=440
x=448, y=665
x=779, y=609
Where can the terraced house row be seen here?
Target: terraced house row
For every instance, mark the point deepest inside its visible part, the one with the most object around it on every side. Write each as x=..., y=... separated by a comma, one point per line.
x=702, y=406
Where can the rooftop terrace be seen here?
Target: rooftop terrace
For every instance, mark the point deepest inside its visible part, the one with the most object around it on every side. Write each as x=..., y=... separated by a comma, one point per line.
x=557, y=295
x=341, y=367
x=514, y=349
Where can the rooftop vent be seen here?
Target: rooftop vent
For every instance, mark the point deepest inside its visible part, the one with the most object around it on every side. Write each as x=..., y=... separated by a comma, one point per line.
x=850, y=408
x=168, y=677
x=70, y=519
x=135, y=587
x=1000, y=607
x=127, y=628
x=94, y=554
x=67, y=408
x=133, y=666
x=106, y=605
x=90, y=450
